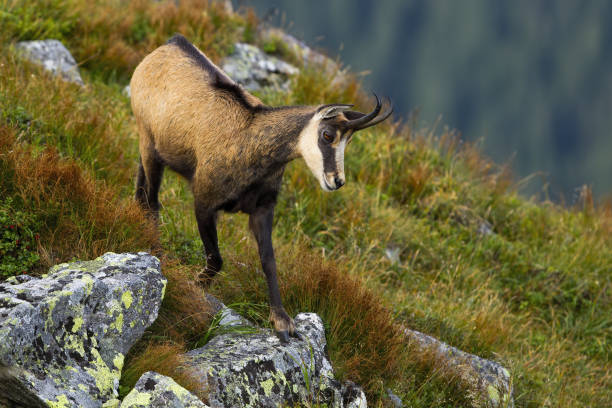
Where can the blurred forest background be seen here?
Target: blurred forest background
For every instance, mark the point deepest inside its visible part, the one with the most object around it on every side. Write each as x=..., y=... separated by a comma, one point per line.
x=531, y=80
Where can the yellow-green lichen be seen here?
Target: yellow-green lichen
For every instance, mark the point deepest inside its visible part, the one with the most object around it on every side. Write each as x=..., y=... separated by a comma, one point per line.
x=89, y=282
x=51, y=302
x=177, y=389
x=493, y=394
x=62, y=402
x=118, y=361
x=102, y=374
x=74, y=342
x=267, y=386
x=126, y=299
x=163, y=293
x=136, y=398
x=118, y=323
x=78, y=323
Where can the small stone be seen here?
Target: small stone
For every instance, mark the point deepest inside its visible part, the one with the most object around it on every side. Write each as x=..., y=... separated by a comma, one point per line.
x=53, y=56
x=395, y=400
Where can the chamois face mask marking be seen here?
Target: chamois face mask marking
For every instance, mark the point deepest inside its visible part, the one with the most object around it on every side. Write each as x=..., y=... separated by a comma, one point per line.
x=308, y=147
x=325, y=159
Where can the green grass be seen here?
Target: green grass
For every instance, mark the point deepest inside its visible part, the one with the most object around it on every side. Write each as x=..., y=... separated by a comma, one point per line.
x=479, y=266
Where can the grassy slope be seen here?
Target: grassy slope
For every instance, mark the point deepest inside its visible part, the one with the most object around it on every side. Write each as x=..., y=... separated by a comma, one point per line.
x=534, y=294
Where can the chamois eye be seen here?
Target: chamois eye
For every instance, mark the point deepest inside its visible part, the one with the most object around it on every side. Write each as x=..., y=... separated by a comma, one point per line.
x=328, y=136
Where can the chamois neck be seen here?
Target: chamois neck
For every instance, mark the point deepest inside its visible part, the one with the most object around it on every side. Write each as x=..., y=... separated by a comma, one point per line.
x=277, y=130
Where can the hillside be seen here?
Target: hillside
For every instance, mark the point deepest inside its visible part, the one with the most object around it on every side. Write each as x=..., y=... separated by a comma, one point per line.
x=427, y=232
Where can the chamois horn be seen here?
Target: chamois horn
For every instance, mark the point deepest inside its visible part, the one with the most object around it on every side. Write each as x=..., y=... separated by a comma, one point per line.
x=363, y=121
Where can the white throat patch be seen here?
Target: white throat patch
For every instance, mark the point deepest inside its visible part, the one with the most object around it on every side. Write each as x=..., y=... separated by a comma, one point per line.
x=308, y=147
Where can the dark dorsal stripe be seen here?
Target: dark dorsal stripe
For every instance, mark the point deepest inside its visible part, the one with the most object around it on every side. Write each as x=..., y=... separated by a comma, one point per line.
x=219, y=80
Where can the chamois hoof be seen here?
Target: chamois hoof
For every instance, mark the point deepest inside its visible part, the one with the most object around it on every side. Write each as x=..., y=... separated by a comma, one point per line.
x=283, y=336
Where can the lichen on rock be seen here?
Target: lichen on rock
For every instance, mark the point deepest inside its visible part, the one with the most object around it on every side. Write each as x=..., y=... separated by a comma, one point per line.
x=154, y=390
x=488, y=383
x=63, y=337
x=257, y=370
x=255, y=70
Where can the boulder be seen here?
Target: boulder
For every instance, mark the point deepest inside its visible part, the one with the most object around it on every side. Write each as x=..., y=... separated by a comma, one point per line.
x=299, y=48
x=309, y=57
x=255, y=70
x=52, y=55
x=489, y=384
x=257, y=370
x=154, y=390
x=63, y=337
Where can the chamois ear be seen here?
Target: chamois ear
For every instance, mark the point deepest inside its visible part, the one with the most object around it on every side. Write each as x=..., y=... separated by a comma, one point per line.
x=332, y=110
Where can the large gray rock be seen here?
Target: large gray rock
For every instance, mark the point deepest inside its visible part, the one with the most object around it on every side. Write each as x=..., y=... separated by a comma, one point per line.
x=255, y=70
x=489, y=384
x=52, y=55
x=63, y=337
x=256, y=370
x=309, y=57
x=154, y=390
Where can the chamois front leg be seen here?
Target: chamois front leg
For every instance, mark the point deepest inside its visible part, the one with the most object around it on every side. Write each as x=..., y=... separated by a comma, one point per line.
x=260, y=222
x=207, y=226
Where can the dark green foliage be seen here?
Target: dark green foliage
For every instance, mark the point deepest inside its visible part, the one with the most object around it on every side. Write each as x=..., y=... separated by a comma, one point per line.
x=18, y=240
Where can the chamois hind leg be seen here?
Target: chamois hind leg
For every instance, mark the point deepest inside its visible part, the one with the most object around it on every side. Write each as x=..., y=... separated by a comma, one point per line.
x=150, y=172
x=207, y=226
x=260, y=222
x=141, y=186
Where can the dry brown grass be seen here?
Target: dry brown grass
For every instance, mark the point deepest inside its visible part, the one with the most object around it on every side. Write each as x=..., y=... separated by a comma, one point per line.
x=183, y=319
x=186, y=313
x=166, y=359
x=117, y=35
x=81, y=217
x=364, y=344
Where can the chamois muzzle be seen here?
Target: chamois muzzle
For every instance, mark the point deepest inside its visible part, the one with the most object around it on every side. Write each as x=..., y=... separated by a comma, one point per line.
x=363, y=121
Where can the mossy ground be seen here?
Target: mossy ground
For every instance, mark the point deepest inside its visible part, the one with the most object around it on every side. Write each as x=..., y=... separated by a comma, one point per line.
x=477, y=265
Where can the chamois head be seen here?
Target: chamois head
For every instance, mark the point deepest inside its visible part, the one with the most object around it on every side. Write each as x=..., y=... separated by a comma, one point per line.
x=323, y=140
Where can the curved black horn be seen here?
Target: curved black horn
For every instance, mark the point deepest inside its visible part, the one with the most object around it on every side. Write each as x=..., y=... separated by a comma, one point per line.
x=378, y=119
x=356, y=123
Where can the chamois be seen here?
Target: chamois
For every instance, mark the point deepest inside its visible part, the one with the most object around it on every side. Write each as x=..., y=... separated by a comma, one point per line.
x=232, y=148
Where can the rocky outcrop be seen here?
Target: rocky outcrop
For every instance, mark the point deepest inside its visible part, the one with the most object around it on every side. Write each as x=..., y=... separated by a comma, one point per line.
x=256, y=370
x=255, y=70
x=489, y=384
x=52, y=55
x=154, y=390
x=63, y=337
x=309, y=57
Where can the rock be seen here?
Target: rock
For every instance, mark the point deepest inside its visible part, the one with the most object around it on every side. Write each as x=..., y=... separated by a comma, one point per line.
x=395, y=400
x=392, y=253
x=489, y=383
x=255, y=70
x=52, y=55
x=485, y=228
x=228, y=317
x=63, y=337
x=308, y=55
x=256, y=370
x=154, y=390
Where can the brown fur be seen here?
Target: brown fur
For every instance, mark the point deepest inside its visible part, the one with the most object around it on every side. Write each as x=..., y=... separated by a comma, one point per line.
x=194, y=119
x=202, y=132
